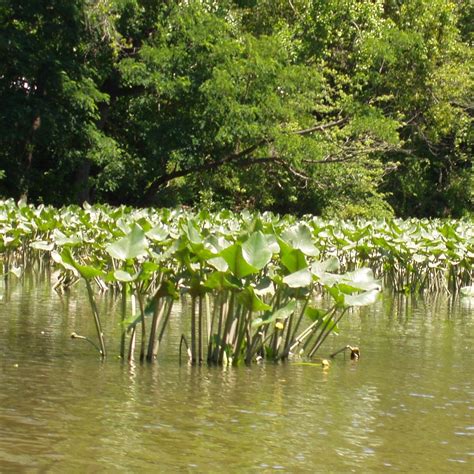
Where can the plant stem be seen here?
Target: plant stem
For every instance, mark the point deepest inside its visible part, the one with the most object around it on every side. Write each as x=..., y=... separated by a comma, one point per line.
x=158, y=311
x=122, y=319
x=193, y=329
x=323, y=338
x=95, y=313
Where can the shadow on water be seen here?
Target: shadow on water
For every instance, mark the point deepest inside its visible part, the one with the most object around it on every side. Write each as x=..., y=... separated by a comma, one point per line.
x=406, y=405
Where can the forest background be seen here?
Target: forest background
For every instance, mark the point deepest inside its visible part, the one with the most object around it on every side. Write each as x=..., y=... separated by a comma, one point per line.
x=333, y=107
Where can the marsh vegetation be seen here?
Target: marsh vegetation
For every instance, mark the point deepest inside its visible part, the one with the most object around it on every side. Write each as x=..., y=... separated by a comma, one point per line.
x=254, y=280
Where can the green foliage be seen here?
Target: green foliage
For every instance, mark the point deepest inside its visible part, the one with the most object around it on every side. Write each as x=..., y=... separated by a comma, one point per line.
x=352, y=108
x=255, y=278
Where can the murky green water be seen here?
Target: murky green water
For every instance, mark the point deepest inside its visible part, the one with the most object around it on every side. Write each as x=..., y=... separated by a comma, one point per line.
x=407, y=405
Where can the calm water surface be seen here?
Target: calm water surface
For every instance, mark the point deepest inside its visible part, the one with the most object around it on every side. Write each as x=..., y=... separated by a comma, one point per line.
x=407, y=405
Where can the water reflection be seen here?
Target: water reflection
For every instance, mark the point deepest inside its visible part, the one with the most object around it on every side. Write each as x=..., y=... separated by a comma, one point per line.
x=407, y=404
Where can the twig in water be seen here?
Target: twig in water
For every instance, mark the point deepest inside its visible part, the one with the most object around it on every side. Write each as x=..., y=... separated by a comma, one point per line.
x=77, y=336
x=355, y=352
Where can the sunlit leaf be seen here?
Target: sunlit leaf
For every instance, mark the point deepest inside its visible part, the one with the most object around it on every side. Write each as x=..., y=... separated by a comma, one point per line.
x=133, y=245
x=255, y=251
x=362, y=299
x=299, y=279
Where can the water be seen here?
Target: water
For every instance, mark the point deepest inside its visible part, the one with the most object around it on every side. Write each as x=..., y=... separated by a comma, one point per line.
x=406, y=405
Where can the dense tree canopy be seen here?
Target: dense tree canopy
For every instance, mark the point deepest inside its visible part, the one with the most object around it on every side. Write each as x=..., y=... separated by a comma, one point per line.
x=349, y=107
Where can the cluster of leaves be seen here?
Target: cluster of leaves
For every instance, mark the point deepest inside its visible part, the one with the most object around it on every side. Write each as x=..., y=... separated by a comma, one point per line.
x=339, y=107
x=409, y=255
x=258, y=272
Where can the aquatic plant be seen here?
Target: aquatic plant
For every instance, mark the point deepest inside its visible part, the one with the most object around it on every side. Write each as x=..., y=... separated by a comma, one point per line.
x=252, y=279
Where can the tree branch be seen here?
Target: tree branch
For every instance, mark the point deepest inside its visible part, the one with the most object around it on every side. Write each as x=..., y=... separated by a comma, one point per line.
x=237, y=159
x=321, y=127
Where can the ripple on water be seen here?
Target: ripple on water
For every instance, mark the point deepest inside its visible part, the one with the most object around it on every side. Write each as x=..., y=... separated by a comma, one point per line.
x=60, y=404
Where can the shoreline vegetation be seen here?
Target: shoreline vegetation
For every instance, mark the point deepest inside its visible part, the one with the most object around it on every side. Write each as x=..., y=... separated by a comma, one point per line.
x=335, y=108
x=252, y=278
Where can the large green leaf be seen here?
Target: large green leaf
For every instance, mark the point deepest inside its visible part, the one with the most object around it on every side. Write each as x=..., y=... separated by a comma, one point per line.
x=42, y=245
x=362, y=299
x=361, y=279
x=300, y=279
x=237, y=263
x=191, y=230
x=123, y=276
x=299, y=236
x=218, y=263
x=330, y=265
x=219, y=281
x=256, y=251
x=293, y=260
x=133, y=245
x=158, y=233
x=67, y=260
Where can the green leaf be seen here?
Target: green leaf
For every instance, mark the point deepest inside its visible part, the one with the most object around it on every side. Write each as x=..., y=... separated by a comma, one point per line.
x=86, y=272
x=158, y=233
x=168, y=288
x=362, y=299
x=237, y=264
x=300, y=237
x=133, y=245
x=264, y=287
x=251, y=301
x=256, y=251
x=361, y=279
x=294, y=260
x=218, y=263
x=191, y=230
x=330, y=265
x=314, y=313
x=42, y=245
x=336, y=295
x=280, y=314
x=121, y=275
x=64, y=261
x=219, y=281
x=299, y=279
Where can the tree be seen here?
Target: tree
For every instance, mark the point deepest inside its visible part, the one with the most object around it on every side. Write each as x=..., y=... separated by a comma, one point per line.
x=215, y=95
x=50, y=100
x=324, y=106
x=421, y=66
